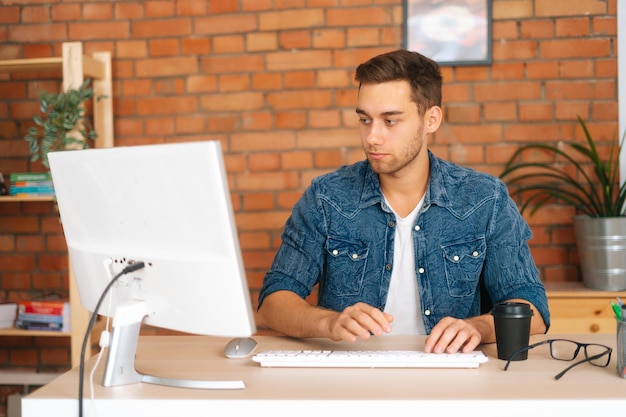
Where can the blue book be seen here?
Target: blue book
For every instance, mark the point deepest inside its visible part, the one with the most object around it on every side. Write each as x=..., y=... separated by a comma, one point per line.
x=40, y=318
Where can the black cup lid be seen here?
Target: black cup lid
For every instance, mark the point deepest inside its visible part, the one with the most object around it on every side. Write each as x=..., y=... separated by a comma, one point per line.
x=512, y=309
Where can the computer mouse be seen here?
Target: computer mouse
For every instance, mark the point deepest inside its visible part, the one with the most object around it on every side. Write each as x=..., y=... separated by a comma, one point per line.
x=240, y=347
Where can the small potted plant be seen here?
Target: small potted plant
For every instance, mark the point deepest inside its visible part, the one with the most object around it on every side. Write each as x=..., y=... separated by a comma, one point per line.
x=63, y=125
x=591, y=185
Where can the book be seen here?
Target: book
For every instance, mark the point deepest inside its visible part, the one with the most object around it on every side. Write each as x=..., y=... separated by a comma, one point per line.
x=31, y=190
x=44, y=307
x=26, y=325
x=40, y=318
x=8, y=311
x=33, y=195
x=51, y=315
x=30, y=176
x=47, y=184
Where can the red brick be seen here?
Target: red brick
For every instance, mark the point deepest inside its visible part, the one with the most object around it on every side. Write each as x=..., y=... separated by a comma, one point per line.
x=261, y=120
x=508, y=91
x=560, y=8
x=298, y=60
x=295, y=39
x=222, y=65
x=160, y=67
x=35, y=14
x=299, y=99
x=194, y=7
x=164, y=47
x=223, y=6
x=514, y=50
x=255, y=240
x=363, y=16
x=572, y=27
x=291, y=19
x=33, y=33
x=575, y=48
x=299, y=79
x=225, y=24
x=267, y=81
x=195, y=46
x=166, y=105
x=99, y=11
x=128, y=11
x=328, y=38
x=290, y=119
x=255, y=142
x=258, y=201
x=261, y=42
x=159, y=8
x=537, y=29
x=10, y=15
x=97, y=30
x=232, y=101
x=234, y=82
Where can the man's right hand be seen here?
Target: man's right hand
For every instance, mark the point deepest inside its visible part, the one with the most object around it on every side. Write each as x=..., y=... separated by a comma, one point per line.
x=287, y=313
x=359, y=321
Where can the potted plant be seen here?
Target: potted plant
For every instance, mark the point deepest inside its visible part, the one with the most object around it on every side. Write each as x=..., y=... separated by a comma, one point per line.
x=583, y=180
x=63, y=124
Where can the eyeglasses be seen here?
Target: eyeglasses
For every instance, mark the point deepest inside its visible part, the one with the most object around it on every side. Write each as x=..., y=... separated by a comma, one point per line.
x=567, y=350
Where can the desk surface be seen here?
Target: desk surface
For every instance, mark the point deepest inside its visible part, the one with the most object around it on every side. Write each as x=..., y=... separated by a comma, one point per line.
x=527, y=385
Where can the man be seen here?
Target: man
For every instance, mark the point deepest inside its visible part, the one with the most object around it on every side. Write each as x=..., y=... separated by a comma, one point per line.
x=404, y=242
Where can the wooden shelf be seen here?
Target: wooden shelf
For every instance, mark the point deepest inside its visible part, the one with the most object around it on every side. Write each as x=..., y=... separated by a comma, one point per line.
x=34, y=64
x=577, y=309
x=16, y=199
x=91, y=67
x=38, y=333
x=74, y=67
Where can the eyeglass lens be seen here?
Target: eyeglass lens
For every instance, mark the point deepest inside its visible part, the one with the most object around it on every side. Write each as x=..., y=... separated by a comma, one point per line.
x=567, y=350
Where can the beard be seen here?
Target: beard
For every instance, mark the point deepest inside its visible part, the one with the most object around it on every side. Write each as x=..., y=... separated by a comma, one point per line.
x=395, y=163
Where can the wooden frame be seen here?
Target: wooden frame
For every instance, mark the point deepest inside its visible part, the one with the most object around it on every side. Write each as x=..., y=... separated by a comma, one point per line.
x=75, y=66
x=452, y=32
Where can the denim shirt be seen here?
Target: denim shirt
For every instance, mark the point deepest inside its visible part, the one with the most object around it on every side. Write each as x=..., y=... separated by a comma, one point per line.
x=468, y=234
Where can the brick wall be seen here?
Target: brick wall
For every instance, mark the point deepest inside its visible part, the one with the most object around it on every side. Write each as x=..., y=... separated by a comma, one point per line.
x=273, y=80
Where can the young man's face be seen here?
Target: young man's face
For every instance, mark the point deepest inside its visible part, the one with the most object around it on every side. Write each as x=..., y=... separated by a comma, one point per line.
x=393, y=134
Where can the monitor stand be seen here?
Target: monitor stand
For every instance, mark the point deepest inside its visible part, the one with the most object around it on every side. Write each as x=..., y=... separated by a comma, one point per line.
x=120, y=363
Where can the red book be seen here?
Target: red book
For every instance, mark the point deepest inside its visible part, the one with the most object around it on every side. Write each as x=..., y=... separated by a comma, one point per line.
x=54, y=308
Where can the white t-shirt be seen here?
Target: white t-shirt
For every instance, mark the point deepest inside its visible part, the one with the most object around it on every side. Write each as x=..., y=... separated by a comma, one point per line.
x=403, y=301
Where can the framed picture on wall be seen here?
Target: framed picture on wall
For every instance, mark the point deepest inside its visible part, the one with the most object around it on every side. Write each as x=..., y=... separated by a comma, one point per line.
x=451, y=32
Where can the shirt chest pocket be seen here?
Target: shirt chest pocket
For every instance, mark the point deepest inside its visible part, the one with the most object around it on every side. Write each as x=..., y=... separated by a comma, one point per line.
x=345, y=263
x=463, y=263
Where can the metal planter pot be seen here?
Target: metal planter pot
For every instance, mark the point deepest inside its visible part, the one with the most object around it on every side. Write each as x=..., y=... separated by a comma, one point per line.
x=601, y=244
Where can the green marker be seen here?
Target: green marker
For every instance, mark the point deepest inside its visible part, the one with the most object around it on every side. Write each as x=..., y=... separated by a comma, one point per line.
x=617, y=310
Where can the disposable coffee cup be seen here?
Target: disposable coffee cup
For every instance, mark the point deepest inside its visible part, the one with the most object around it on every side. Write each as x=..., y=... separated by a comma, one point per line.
x=512, y=325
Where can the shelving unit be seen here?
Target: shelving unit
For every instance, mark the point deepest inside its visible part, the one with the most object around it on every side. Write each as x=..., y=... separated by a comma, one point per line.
x=75, y=67
x=576, y=309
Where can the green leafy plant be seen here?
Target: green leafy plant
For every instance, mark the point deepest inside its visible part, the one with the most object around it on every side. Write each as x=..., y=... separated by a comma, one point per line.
x=63, y=124
x=583, y=181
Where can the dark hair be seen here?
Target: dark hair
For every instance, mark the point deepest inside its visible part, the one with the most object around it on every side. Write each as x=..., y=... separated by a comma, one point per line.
x=421, y=72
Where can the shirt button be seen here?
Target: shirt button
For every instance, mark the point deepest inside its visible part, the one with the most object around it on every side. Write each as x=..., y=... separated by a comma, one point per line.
x=421, y=270
x=427, y=312
x=456, y=258
x=355, y=256
x=391, y=224
x=417, y=228
x=387, y=267
x=335, y=252
x=475, y=254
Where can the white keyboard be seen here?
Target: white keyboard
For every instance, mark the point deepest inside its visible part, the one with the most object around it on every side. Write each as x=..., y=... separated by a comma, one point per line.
x=367, y=359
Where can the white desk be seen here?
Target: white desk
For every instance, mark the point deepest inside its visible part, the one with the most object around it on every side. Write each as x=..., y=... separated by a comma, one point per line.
x=527, y=388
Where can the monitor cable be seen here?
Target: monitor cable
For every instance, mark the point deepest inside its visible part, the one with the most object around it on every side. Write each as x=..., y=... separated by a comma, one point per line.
x=128, y=269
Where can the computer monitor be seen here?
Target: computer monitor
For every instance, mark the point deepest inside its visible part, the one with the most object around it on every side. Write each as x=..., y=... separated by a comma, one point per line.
x=167, y=206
